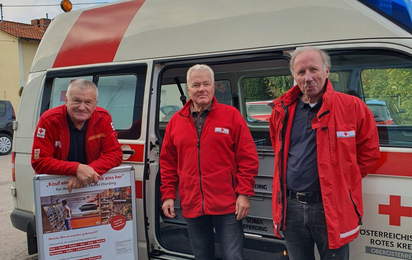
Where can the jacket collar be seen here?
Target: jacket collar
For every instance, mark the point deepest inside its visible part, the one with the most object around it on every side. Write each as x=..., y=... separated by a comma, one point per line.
x=185, y=111
x=291, y=96
x=92, y=120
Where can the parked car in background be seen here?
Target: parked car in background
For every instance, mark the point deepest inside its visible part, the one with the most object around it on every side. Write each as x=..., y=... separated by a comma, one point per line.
x=259, y=111
x=7, y=116
x=385, y=112
x=380, y=112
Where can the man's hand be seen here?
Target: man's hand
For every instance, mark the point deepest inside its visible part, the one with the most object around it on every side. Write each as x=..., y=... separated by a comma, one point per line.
x=86, y=174
x=242, y=206
x=75, y=183
x=168, y=208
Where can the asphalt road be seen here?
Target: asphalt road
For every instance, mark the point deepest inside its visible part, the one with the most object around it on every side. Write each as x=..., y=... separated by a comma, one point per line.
x=12, y=241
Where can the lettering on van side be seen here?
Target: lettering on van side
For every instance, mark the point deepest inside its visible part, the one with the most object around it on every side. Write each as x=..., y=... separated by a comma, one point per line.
x=261, y=186
x=255, y=224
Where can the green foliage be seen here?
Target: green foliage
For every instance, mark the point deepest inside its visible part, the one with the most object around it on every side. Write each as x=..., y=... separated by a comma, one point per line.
x=393, y=86
x=20, y=91
x=265, y=88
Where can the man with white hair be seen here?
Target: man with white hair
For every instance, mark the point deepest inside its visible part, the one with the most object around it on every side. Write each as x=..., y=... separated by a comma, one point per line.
x=76, y=138
x=208, y=152
x=324, y=142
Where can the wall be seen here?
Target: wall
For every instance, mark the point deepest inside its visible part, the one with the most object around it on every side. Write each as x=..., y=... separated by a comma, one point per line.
x=9, y=69
x=17, y=57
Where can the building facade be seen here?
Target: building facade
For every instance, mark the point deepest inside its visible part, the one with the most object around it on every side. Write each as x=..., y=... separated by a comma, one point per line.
x=18, y=45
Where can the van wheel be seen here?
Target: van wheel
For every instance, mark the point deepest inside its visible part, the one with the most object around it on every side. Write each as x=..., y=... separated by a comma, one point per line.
x=5, y=144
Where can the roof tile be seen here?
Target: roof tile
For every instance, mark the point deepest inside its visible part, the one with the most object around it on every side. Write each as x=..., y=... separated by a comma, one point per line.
x=22, y=30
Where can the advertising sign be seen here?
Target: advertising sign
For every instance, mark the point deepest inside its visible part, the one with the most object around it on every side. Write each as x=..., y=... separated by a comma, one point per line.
x=94, y=222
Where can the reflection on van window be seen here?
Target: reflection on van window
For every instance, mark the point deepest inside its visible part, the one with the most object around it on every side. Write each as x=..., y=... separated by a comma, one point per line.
x=116, y=95
x=260, y=92
x=59, y=89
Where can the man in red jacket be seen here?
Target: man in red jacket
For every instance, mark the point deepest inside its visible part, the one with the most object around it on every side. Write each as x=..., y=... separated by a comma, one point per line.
x=324, y=143
x=208, y=152
x=76, y=138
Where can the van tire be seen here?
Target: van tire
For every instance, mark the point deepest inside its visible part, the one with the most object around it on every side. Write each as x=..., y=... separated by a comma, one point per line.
x=5, y=144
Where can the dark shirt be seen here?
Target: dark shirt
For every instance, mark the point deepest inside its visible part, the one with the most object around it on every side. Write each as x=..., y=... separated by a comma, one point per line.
x=199, y=118
x=302, y=168
x=77, y=150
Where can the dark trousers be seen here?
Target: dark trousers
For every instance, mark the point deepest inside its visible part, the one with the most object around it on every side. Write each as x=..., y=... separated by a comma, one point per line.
x=229, y=235
x=305, y=226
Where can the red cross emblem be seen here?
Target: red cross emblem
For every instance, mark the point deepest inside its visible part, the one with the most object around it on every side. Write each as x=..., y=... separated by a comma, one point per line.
x=395, y=210
x=345, y=134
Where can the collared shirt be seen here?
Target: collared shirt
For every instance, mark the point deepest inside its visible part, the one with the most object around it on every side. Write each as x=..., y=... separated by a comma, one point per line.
x=302, y=168
x=200, y=118
x=77, y=150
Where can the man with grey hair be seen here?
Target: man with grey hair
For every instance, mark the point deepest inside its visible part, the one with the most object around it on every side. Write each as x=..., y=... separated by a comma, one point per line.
x=208, y=152
x=77, y=138
x=324, y=142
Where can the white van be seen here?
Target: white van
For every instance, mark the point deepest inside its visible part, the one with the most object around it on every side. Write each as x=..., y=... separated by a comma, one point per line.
x=137, y=52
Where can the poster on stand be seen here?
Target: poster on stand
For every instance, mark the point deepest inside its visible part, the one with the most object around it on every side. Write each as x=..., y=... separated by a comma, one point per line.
x=94, y=222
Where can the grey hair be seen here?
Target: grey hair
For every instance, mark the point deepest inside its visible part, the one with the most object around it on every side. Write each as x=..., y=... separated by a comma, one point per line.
x=82, y=84
x=323, y=54
x=199, y=67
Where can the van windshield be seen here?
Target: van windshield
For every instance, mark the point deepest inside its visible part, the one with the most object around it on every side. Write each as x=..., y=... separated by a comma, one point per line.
x=397, y=11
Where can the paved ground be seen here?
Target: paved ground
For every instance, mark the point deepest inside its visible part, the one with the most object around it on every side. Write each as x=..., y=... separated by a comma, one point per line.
x=12, y=241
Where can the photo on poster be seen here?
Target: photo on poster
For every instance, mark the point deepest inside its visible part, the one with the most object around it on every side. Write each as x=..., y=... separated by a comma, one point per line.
x=97, y=221
x=86, y=209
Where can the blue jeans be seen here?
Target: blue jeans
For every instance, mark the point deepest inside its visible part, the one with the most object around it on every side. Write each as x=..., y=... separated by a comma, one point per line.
x=67, y=223
x=305, y=226
x=229, y=235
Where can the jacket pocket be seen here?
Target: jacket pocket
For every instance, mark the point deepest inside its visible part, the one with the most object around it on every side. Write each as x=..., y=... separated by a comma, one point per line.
x=328, y=141
x=219, y=190
x=355, y=207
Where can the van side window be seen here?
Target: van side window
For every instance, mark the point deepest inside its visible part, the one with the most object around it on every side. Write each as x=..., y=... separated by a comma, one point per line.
x=59, y=89
x=121, y=92
x=116, y=95
x=382, y=80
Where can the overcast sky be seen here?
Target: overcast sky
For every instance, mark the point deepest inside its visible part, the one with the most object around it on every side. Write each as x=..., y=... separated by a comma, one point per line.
x=16, y=10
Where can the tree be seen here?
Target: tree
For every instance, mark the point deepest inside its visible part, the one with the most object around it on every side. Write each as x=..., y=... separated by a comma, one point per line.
x=265, y=88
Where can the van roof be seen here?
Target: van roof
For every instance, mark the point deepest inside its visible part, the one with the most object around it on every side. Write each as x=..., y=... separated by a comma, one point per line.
x=156, y=29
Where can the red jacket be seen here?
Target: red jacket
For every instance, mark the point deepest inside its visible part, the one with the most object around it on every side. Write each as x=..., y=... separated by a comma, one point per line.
x=52, y=140
x=347, y=149
x=212, y=171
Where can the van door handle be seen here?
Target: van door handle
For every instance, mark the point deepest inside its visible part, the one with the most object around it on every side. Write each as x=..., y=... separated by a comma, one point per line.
x=131, y=152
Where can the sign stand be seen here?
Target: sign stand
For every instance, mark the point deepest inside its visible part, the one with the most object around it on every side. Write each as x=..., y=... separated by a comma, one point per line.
x=94, y=222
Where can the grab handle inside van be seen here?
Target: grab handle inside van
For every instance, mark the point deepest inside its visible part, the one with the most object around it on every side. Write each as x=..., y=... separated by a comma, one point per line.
x=182, y=95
